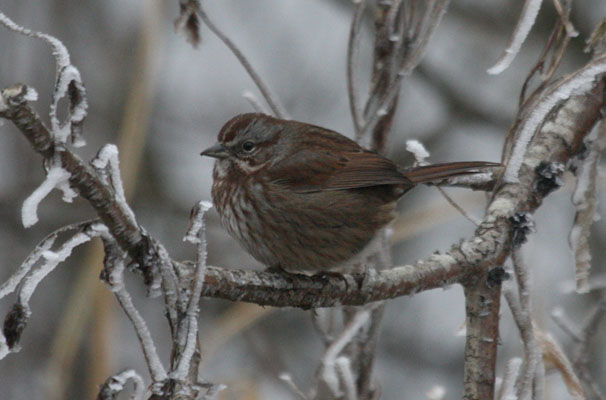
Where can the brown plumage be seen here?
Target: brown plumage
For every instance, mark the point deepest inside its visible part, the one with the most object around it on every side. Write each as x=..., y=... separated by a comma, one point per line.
x=304, y=198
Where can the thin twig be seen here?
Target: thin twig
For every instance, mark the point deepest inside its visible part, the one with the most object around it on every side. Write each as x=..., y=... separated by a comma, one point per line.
x=196, y=234
x=460, y=209
x=272, y=100
x=116, y=282
x=353, y=48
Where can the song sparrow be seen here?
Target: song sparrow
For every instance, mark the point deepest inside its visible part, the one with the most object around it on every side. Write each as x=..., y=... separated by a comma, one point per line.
x=306, y=199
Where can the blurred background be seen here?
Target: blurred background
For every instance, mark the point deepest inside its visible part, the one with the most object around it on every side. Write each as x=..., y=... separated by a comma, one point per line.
x=162, y=101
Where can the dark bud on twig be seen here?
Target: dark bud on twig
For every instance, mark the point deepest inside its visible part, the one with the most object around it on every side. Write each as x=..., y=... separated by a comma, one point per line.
x=550, y=177
x=188, y=22
x=14, y=324
x=522, y=224
x=496, y=276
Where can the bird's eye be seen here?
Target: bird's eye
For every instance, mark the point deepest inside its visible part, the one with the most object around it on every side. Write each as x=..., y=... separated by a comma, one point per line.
x=248, y=146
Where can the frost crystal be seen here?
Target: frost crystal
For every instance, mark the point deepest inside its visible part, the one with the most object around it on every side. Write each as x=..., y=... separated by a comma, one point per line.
x=57, y=177
x=417, y=149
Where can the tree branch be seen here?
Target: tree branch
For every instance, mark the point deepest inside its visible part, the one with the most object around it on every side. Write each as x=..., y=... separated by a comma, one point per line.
x=558, y=141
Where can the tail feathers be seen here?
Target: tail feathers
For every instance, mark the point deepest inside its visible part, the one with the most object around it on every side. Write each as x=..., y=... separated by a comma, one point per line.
x=437, y=172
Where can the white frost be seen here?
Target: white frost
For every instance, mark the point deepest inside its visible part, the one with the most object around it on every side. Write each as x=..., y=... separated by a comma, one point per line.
x=329, y=360
x=571, y=85
x=107, y=158
x=195, y=234
x=520, y=33
x=59, y=50
x=197, y=222
x=67, y=75
x=57, y=177
x=52, y=260
x=4, y=350
x=31, y=94
x=418, y=150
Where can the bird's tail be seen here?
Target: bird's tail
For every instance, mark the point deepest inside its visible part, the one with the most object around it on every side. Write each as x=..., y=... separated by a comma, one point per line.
x=437, y=172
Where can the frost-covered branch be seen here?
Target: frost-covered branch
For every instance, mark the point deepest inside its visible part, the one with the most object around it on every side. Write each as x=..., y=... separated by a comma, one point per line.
x=571, y=85
x=28, y=277
x=507, y=389
x=115, y=384
x=196, y=234
x=396, y=56
x=67, y=82
x=114, y=276
x=56, y=177
x=520, y=32
x=333, y=368
x=82, y=178
x=519, y=303
x=585, y=200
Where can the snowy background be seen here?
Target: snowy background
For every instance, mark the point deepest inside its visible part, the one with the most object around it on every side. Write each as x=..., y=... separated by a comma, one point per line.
x=141, y=76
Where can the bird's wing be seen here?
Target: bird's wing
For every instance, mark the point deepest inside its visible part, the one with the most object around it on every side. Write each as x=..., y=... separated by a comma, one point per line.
x=312, y=171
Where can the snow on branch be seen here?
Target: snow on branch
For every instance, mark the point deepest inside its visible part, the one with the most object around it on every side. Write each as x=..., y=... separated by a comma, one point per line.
x=29, y=277
x=68, y=82
x=105, y=162
x=507, y=390
x=585, y=200
x=520, y=32
x=418, y=150
x=57, y=177
x=115, y=384
x=114, y=273
x=576, y=83
x=332, y=368
x=195, y=234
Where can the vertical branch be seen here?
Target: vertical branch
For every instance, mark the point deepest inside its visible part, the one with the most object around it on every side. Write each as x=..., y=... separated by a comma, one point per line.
x=353, y=48
x=482, y=303
x=383, y=74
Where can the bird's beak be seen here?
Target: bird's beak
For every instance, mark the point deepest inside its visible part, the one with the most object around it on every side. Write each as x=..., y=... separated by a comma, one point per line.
x=216, y=151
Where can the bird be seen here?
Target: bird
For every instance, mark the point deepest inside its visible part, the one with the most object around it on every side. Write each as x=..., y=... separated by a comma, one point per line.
x=305, y=199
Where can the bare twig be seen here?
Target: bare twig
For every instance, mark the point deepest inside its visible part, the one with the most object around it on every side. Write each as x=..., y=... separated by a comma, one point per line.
x=353, y=48
x=255, y=103
x=482, y=304
x=457, y=207
x=272, y=100
x=381, y=100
